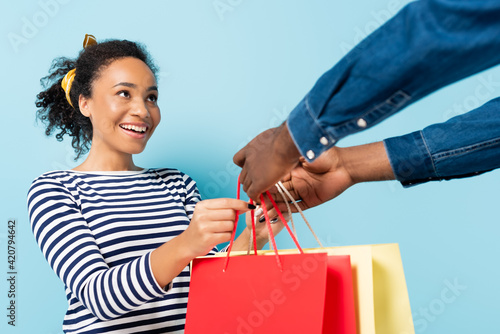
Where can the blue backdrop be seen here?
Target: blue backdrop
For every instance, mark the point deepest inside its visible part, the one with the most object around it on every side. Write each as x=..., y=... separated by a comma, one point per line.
x=230, y=69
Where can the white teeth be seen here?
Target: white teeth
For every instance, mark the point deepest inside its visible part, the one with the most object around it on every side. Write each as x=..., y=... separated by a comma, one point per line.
x=134, y=128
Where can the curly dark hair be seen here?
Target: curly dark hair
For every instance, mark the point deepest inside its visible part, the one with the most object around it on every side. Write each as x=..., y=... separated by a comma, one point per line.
x=53, y=108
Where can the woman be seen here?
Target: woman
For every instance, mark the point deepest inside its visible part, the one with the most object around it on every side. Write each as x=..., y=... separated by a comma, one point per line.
x=120, y=236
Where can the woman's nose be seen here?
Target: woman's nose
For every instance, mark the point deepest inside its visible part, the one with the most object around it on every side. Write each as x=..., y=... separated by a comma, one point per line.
x=140, y=109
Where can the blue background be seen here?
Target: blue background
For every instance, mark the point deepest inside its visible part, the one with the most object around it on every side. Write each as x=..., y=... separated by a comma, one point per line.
x=230, y=69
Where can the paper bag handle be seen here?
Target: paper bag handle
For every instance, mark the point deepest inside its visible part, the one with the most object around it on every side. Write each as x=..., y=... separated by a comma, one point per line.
x=268, y=224
x=282, y=190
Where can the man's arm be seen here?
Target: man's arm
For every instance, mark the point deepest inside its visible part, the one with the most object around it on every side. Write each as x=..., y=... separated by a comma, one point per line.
x=427, y=45
x=466, y=145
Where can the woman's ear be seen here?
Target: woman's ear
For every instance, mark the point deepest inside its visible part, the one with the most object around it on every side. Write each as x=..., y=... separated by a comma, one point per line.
x=84, y=105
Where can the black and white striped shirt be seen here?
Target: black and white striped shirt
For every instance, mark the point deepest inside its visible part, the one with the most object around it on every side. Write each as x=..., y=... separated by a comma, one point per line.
x=97, y=231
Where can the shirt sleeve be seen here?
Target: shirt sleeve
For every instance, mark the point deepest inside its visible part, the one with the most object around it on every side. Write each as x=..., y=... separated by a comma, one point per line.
x=71, y=250
x=192, y=195
x=427, y=45
x=465, y=145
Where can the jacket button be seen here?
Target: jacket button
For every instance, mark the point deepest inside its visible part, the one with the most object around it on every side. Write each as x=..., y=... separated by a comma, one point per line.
x=310, y=154
x=362, y=123
x=323, y=141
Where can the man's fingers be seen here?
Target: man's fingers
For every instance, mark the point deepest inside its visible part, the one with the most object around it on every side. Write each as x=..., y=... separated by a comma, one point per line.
x=289, y=187
x=239, y=157
x=243, y=179
x=252, y=193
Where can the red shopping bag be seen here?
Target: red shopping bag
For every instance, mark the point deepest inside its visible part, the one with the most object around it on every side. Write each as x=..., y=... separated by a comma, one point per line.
x=284, y=293
x=340, y=312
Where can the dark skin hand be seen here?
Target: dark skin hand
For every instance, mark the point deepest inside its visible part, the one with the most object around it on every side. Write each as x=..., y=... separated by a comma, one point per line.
x=335, y=171
x=272, y=156
x=268, y=158
x=312, y=184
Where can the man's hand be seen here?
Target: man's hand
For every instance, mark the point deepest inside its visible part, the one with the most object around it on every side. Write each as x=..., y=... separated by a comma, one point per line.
x=266, y=160
x=312, y=184
x=333, y=172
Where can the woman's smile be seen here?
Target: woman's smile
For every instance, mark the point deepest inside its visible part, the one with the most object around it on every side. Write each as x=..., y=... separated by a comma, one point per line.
x=134, y=129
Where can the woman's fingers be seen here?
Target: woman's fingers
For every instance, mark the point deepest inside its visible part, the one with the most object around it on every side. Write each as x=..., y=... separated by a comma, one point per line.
x=225, y=203
x=218, y=215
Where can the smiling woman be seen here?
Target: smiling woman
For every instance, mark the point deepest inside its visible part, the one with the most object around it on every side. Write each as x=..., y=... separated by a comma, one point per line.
x=120, y=236
x=123, y=112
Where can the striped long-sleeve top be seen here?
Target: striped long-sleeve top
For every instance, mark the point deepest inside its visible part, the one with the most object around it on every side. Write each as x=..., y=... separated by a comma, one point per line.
x=97, y=231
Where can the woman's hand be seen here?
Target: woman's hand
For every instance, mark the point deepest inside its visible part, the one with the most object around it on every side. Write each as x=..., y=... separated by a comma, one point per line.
x=212, y=224
x=261, y=231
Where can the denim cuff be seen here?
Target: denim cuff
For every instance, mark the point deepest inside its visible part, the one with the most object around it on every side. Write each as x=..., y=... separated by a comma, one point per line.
x=308, y=135
x=410, y=159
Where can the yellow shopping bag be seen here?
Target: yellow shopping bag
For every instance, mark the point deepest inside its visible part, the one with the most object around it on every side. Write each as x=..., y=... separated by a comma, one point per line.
x=380, y=292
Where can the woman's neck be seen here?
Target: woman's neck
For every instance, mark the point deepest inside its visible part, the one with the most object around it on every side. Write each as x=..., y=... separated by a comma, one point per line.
x=107, y=161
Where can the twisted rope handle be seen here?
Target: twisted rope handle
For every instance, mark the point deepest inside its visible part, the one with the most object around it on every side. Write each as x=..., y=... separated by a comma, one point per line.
x=281, y=188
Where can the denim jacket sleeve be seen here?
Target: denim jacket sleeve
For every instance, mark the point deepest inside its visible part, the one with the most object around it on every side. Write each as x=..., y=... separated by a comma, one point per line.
x=427, y=45
x=465, y=145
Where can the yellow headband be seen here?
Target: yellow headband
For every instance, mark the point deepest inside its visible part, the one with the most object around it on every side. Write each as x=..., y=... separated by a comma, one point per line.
x=68, y=79
x=66, y=84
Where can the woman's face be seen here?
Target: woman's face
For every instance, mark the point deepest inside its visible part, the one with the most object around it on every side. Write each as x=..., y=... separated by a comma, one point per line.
x=123, y=108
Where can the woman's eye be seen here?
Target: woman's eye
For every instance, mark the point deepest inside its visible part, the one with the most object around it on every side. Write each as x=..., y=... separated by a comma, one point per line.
x=152, y=98
x=124, y=93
